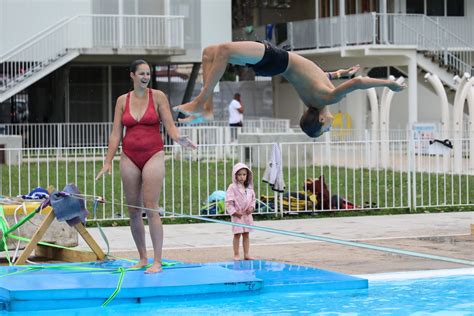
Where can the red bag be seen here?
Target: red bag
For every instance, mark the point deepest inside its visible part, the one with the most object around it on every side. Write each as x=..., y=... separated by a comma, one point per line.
x=320, y=189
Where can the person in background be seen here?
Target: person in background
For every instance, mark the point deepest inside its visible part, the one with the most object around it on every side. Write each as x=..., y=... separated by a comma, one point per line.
x=236, y=115
x=240, y=204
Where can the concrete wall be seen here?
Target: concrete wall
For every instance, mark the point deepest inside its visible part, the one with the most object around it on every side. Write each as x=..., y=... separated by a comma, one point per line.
x=11, y=149
x=22, y=19
x=286, y=102
x=256, y=97
x=206, y=22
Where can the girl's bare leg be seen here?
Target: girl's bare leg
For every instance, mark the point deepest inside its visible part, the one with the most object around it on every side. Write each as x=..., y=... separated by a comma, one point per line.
x=215, y=59
x=246, y=245
x=132, y=183
x=153, y=174
x=236, y=245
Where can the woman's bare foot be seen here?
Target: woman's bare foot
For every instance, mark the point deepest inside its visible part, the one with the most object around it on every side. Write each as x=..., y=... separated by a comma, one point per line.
x=140, y=264
x=154, y=268
x=237, y=258
x=249, y=258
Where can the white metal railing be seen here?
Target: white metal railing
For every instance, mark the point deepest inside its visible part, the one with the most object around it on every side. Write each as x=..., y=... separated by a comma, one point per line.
x=404, y=180
x=88, y=32
x=461, y=26
x=426, y=33
x=44, y=135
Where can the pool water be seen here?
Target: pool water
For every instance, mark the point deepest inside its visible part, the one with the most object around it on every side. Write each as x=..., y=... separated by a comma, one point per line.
x=441, y=296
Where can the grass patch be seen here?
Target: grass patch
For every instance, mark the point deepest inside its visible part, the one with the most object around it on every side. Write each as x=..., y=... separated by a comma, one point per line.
x=188, y=183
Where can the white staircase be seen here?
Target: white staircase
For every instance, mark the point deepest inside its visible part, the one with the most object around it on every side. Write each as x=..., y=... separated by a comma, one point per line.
x=65, y=40
x=440, y=51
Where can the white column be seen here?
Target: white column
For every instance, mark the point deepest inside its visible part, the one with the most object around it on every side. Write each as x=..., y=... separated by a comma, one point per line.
x=383, y=14
x=342, y=16
x=120, y=12
x=412, y=90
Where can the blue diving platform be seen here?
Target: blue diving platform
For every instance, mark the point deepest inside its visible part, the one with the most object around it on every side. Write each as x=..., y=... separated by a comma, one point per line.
x=81, y=285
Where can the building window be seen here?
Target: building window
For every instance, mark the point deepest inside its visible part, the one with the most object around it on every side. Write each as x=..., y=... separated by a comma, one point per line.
x=351, y=7
x=416, y=7
x=328, y=8
x=435, y=8
x=455, y=8
x=369, y=6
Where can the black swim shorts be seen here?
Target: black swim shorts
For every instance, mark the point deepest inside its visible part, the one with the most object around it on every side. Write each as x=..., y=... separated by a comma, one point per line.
x=274, y=61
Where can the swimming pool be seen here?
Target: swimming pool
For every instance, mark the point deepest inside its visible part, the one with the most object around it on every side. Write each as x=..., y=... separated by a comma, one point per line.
x=443, y=295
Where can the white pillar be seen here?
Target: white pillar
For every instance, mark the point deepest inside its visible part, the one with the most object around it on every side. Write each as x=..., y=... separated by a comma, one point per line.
x=342, y=16
x=441, y=92
x=383, y=13
x=465, y=94
x=357, y=107
x=374, y=126
x=412, y=91
x=120, y=12
x=385, y=105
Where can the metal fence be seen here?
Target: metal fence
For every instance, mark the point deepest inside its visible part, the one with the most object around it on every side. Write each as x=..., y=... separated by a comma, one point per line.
x=63, y=135
x=354, y=171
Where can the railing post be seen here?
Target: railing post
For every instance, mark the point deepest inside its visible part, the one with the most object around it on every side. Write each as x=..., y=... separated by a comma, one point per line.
x=374, y=28
x=411, y=174
x=60, y=135
x=292, y=36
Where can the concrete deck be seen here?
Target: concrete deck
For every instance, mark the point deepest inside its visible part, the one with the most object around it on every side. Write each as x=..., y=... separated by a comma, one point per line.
x=443, y=234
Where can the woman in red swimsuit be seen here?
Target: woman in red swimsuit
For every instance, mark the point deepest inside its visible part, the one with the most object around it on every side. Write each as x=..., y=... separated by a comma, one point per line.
x=142, y=164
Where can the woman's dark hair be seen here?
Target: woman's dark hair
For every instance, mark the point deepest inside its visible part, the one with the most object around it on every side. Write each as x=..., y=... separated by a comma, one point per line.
x=134, y=65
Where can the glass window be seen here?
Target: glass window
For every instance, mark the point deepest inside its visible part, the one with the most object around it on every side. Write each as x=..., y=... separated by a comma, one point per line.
x=324, y=7
x=369, y=6
x=416, y=7
x=455, y=8
x=350, y=7
x=435, y=7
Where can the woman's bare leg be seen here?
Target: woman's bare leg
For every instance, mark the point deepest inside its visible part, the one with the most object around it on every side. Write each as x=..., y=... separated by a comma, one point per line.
x=236, y=245
x=215, y=60
x=132, y=184
x=246, y=246
x=153, y=174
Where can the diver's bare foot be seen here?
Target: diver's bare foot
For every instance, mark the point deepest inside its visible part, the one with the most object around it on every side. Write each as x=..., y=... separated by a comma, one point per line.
x=197, y=119
x=192, y=107
x=237, y=258
x=187, y=119
x=397, y=87
x=249, y=258
x=140, y=264
x=155, y=268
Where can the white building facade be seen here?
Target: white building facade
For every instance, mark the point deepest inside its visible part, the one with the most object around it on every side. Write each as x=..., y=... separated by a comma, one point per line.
x=70, y=58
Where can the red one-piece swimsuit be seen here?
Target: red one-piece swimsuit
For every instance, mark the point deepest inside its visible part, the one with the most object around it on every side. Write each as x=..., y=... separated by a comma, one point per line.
x=142, y=138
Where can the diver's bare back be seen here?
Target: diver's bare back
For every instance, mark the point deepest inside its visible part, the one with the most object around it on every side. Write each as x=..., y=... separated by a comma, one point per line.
x=311, y=83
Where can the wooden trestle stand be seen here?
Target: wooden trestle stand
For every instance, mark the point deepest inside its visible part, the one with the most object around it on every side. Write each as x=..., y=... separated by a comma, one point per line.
x=61, y=254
